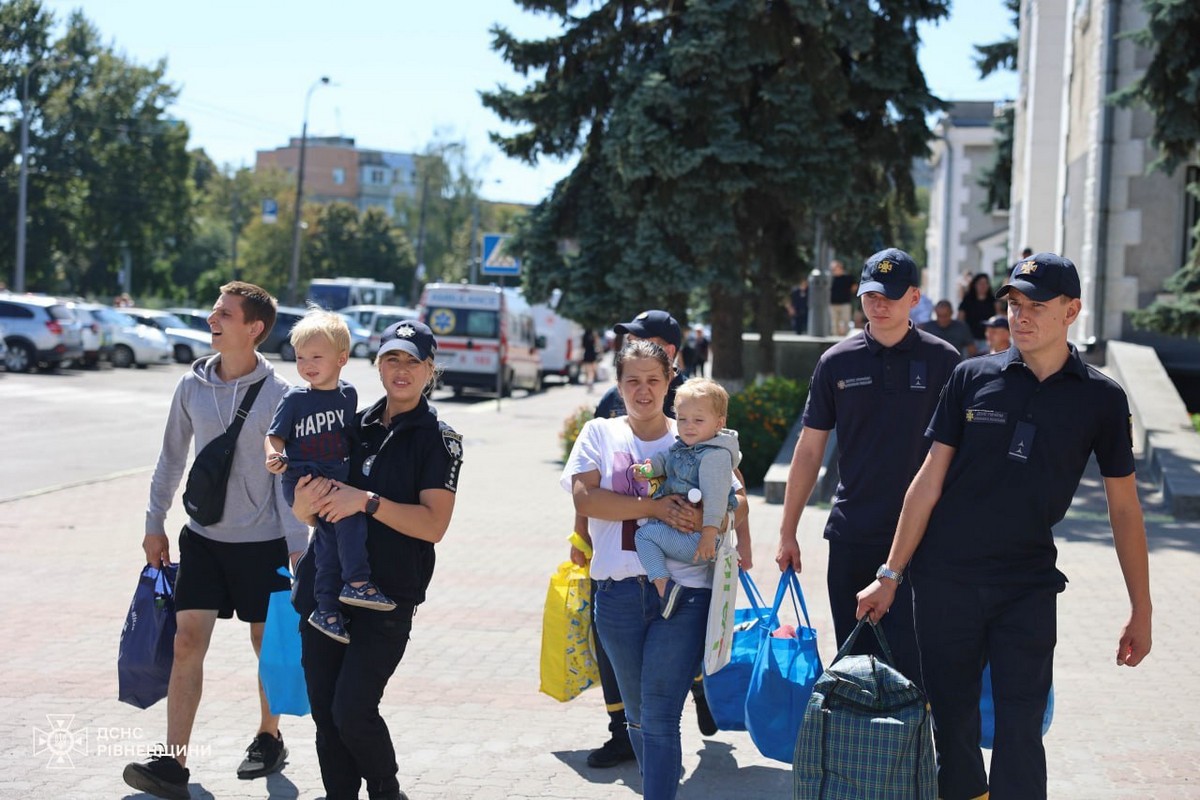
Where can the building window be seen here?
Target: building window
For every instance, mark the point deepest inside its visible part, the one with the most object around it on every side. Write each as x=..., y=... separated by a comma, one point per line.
x=339, y=176
x=376, y=176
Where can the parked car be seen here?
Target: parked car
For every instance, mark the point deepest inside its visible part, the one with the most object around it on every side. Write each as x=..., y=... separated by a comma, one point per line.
x=365, y=316
x=130, y=343
x=96, y=344
x=3, y=347
x=360, y=338
x=186, y=343
x=40, y=331
x=384, y=319
x=196, y=318
x=277, y=339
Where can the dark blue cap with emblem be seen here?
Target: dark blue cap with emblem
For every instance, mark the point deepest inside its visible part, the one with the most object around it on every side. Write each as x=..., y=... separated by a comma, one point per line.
x=653, y=324
x=411, y=336
x=1043, y=277
x=890, y=272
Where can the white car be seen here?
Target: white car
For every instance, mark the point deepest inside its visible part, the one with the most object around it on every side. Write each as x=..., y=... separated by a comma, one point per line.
x=360, y=337
x=187, y=344
x=130, y=343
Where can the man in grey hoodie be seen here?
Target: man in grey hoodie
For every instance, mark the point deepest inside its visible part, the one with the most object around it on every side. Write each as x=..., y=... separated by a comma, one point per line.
x=229, y=565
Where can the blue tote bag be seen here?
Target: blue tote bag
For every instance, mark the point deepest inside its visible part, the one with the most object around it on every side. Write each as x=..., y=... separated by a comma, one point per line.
x=726, y=689
x=987, y=710
x=279, y=666
x=147, y=647
x=782, y=678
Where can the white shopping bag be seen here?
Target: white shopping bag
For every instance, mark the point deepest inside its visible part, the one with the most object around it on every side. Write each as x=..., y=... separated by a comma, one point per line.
x=718, y=637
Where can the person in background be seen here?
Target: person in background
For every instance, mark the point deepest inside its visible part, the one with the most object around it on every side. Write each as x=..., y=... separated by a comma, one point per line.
x=877, y=389
x=797, y=306
x=1011, y=438
x=841, y=298
x=589, y=359
x=996, y=330
x=977, y=306
x=922, y=312
x=700, y=342
x=948, y=329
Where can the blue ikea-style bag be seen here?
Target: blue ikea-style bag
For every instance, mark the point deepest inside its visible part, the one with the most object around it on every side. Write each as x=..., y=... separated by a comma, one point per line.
x=726, y=689
x=987, y=710
x=781, y=682
x=279, y=666
x=147, y=648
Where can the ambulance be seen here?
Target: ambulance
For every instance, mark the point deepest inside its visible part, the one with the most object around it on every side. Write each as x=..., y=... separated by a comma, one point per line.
x=485, y=334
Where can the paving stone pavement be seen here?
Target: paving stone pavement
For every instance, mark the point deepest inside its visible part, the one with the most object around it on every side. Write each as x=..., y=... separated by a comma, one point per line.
x=464, y=709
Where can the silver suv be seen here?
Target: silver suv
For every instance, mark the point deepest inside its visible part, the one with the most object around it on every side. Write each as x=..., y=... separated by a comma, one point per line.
x=39, y=331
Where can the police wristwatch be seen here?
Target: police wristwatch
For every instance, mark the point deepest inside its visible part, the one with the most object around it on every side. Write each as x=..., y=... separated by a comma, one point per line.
x=890, y=574
x=372, y=504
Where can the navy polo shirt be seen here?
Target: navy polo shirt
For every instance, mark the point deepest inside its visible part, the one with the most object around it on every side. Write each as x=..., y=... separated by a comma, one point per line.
x=1022, y=446
x=879, y=399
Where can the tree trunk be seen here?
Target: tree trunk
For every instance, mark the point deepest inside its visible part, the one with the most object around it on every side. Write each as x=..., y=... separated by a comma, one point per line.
x=726, y=318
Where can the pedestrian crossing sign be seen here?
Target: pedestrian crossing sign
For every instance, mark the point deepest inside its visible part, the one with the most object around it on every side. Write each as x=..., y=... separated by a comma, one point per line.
x=496, y=258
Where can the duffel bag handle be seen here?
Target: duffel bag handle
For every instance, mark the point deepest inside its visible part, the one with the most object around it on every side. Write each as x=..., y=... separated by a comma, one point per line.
x=883, y=645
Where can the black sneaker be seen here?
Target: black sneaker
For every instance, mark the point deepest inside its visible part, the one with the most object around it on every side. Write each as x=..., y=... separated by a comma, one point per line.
x=670, y=599
x=704, y=717
x=161, y=776
x=266, y=754
x=616, y=750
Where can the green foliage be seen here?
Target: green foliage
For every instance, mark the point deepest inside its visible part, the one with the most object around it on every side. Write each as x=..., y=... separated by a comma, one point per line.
x=108, y=169
x=1002, y=54
x=762, y=415
x=1170, y=89
x=1196, y=422
x=572, y=425
x=712, y=136
x=1170, y=86
x=997, y=178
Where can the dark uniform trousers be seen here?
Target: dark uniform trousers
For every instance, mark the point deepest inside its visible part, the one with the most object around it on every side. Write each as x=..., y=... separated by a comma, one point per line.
x=345, y=685
x=961, y=626
x=851, y=568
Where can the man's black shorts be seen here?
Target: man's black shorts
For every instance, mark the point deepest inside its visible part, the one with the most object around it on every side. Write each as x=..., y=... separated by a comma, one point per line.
x=228, y=577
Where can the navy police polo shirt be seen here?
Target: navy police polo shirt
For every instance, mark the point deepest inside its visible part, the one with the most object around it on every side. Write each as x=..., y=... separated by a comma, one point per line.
x=1022, y=446
x=879, y=399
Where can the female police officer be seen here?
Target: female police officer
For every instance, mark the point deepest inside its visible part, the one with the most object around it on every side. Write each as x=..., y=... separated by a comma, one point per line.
x=403, y=475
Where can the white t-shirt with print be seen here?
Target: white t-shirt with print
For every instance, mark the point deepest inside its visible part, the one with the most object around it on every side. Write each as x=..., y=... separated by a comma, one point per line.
x=609, y=446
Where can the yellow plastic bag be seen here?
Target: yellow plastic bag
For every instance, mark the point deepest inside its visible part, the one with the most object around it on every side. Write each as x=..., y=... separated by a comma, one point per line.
x=568, y=655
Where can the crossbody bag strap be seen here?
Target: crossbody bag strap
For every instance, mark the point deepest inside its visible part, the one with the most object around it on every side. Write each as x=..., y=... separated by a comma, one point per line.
x=243, y=411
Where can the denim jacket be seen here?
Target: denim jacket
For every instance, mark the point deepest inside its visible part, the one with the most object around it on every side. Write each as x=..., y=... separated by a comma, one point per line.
x=707, y=466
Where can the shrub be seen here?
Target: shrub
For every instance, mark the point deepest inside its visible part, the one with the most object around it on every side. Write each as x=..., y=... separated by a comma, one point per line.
x=1196, y=422
x=762, y=415
x=572, y=425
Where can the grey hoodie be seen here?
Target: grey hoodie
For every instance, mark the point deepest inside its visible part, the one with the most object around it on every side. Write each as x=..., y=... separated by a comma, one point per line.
x=202, y=409
x=712, y=476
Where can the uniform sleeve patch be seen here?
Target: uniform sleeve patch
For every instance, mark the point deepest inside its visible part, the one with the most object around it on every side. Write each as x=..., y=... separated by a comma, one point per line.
x=452, y=441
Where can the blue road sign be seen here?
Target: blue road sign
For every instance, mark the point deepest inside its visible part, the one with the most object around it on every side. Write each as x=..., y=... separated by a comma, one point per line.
x=496, y=259
x=270, y=211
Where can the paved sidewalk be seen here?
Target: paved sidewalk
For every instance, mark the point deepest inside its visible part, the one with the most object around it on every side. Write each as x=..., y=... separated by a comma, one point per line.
x=464, y=708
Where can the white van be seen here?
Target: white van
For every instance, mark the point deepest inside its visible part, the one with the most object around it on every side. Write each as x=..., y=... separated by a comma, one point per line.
x=562, y=355
x=482, y=331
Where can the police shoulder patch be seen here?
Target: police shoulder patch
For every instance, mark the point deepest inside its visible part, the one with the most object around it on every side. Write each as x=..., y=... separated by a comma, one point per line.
x=451, y=440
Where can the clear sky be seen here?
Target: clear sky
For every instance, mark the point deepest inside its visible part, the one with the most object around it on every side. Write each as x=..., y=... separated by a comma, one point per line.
x=407, y=72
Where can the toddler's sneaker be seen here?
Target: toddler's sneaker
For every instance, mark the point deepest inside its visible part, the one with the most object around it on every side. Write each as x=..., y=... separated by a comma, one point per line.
x=330, y=623
x=366, y=596
x=671, y=599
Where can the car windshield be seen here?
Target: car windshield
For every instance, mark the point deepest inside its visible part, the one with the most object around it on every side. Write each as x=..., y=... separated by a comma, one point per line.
x=111, y=317
x=169, y=321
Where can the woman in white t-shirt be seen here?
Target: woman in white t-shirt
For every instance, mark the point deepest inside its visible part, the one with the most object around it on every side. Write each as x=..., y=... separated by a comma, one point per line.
x=599, y=474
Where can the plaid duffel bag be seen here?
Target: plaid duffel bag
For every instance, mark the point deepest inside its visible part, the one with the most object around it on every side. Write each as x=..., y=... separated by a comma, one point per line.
x=867, y=733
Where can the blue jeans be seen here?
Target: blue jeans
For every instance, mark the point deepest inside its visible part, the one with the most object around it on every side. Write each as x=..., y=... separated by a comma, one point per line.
x=634, y=633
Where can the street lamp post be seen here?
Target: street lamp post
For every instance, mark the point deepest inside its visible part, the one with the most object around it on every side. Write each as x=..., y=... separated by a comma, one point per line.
x=294, y=276
x=23, y=179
